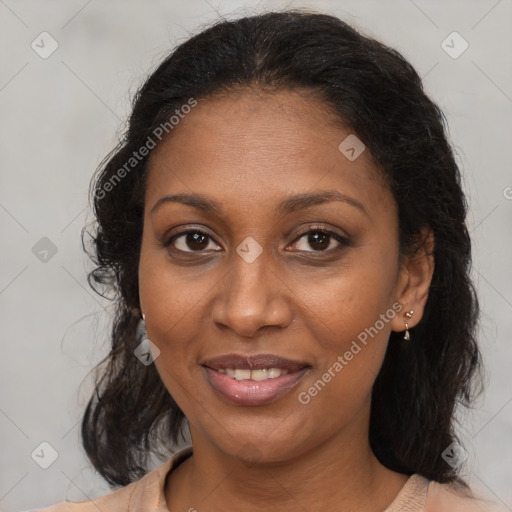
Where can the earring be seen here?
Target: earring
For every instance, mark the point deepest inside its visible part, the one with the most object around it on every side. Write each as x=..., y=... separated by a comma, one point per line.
x=408, y=315
x=141, y=333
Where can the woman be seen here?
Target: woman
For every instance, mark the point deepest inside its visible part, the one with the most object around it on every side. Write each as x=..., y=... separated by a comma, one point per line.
x=284, y=218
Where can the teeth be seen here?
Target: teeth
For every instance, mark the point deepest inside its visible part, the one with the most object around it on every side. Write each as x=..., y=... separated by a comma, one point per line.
x=257, y=375
x=242, y=374
x=275, y=372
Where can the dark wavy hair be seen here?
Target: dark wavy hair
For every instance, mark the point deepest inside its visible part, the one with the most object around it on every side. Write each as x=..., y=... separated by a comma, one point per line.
x=371, y=89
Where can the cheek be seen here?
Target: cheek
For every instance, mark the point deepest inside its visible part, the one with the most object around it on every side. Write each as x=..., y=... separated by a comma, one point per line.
x=177, y=302
x=348, y=314
x=342, y=304
x=167, y=301
x=169, y=294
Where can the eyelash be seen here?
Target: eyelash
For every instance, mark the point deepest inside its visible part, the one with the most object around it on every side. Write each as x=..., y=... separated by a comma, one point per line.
x=343, y=241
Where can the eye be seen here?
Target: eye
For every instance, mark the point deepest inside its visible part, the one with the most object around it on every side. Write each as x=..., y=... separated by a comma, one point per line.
x=320, y=240
x=192, y=241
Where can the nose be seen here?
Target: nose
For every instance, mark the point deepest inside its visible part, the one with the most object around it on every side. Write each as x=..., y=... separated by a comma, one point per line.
x=252, y=297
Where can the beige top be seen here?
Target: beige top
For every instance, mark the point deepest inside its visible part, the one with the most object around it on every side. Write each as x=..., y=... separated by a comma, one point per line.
x=147, y=495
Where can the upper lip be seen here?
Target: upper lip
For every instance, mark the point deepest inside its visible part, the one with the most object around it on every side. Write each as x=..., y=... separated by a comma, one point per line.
x=253, y=362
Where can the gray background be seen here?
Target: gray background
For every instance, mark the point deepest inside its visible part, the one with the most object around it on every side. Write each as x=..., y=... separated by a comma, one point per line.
x=61, y=115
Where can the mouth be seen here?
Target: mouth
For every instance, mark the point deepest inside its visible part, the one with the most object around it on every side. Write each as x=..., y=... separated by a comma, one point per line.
x=254, y=379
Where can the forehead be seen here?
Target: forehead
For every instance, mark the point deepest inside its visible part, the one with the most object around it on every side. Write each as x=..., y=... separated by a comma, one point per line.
x=257, y=147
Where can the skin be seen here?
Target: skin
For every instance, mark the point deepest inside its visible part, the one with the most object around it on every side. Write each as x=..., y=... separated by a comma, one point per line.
x=249, y=150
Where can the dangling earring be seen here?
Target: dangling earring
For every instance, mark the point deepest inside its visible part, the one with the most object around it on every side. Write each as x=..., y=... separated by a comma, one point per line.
x=408, y=315
x=141, y=333
x=146, y=352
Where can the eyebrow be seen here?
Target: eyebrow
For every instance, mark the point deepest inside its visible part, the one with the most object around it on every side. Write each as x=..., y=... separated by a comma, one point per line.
x=288, y=205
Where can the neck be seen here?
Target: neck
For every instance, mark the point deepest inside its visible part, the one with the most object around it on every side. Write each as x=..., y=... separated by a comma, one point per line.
x=342, y=473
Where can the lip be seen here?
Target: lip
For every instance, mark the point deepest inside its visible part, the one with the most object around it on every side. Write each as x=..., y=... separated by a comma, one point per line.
x=254, y=362
x=251, y=392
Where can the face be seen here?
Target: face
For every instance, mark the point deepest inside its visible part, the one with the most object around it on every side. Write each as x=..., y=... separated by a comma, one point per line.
x=295, y=267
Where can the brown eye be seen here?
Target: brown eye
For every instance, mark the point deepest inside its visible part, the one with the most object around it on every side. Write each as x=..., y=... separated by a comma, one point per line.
x=320, y=240
x=192, y=241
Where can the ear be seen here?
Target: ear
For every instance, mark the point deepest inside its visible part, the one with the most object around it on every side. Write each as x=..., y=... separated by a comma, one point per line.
x=415, y=276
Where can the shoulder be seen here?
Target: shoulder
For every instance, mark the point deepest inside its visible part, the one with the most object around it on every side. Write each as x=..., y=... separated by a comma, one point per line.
x=118, y=499
x=422, y=495
x=448, y=498
x=144, y=494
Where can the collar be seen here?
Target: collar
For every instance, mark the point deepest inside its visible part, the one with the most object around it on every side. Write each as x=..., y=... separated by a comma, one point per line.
x=149, y=492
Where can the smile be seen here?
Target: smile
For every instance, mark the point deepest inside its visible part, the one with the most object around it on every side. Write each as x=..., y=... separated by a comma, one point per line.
x=253, y=380
x=257, y=375
x=248, y=391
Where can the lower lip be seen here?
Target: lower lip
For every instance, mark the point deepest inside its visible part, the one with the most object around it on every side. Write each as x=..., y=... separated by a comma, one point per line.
x=251, y=392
